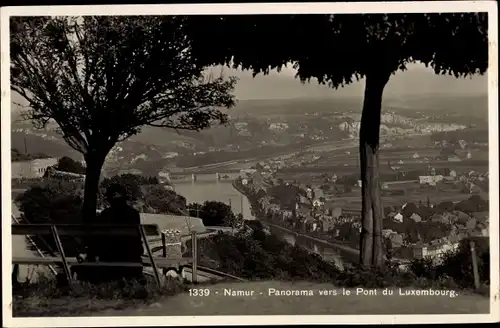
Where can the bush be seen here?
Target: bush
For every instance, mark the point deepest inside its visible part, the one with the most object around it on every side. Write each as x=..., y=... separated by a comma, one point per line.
x=458, y=265
x=214, y=213
x=258, y=255
x=131, y=183
x=162, y=200
x=53, y=201
x=68, y=164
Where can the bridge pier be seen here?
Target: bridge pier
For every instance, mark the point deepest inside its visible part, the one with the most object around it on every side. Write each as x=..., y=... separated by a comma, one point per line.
x=193, y=177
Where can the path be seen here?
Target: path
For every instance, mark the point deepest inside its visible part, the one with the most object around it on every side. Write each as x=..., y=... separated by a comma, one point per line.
x=263, y=304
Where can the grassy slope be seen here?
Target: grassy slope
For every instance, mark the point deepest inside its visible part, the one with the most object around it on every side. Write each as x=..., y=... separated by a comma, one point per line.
x=183, y=304
x=217, y=304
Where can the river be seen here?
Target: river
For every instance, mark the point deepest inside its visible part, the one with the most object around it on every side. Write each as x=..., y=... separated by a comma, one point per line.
x=207, y=188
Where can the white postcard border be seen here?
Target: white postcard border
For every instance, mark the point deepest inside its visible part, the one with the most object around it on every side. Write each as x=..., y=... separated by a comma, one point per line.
x=254, y=8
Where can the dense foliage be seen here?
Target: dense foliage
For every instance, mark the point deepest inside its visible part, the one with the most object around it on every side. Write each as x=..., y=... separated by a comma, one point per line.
x=67, y=164
x=102, y=78
x=214, y=213
x=131, y=182
x=60, y=201
x=52, y=201
x=255, y=254
x=338, y=49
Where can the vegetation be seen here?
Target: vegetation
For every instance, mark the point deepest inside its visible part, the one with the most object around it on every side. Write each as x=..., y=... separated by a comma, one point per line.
x=88, y=75
x=60, y=201
x=256, y=255
x=215, y=213
x=37, y=299
x=67, y=164
x=374, y=46
x=132, y=184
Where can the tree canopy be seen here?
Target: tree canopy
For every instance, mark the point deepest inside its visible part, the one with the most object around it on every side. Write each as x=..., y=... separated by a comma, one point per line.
x=67, y=164
x=338, y=49
x=102, y=78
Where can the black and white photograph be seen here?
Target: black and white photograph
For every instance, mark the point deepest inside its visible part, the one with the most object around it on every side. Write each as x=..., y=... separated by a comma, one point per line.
x=272, y=163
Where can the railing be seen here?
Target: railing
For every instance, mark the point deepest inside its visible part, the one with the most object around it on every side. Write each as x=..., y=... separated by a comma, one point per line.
x=164, y=262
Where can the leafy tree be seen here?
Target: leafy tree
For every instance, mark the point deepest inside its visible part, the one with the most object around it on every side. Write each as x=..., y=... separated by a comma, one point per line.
x=102, y=78
x=131, y=182
x=67, y=164
x=215, y=213
x=194, y=209
x=163, y=200
x=340, y=49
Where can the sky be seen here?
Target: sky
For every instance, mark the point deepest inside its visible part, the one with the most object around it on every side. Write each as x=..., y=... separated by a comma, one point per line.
x=417, y=80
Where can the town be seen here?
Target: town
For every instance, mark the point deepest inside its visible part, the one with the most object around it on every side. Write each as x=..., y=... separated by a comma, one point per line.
x=428, y=207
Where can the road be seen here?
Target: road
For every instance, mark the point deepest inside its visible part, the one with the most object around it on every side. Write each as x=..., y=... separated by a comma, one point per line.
x=323, y=146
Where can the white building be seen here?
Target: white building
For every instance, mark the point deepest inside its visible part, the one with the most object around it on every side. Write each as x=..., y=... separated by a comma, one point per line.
x=398, y=217
x=171, y=154
x=430, y=179
x=31, y=169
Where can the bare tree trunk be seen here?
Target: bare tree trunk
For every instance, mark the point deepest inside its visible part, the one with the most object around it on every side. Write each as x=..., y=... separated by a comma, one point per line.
x=94, y=162
x=371, y=250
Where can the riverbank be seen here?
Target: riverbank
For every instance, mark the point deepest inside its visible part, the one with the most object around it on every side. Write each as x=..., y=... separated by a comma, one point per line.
x=351, y=251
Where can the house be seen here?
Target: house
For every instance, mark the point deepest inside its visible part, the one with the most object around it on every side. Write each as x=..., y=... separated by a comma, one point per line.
x=387, y=232
x=286, y=214
x=454, y=158
x=398, y=217
x=335, y=212
x=431, y=180
x=303, y=211
x=396, y=240
x=318, y=193
x=391, y=215
x=170, y=155
x=303, y=200
x=415, y=217
x=416, y=155
x=453, y=174
x=318, y=203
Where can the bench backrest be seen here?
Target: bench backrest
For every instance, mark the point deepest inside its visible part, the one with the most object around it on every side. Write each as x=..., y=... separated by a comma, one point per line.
x=76, y=230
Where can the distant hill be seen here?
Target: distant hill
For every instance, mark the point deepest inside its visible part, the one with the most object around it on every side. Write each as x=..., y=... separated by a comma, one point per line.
x=37, y=144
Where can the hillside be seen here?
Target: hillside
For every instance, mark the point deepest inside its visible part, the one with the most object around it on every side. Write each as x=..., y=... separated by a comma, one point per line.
x=261, y=303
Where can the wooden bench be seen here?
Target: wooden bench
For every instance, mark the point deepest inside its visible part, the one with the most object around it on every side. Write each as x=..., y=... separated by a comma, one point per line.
x=94, y=230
